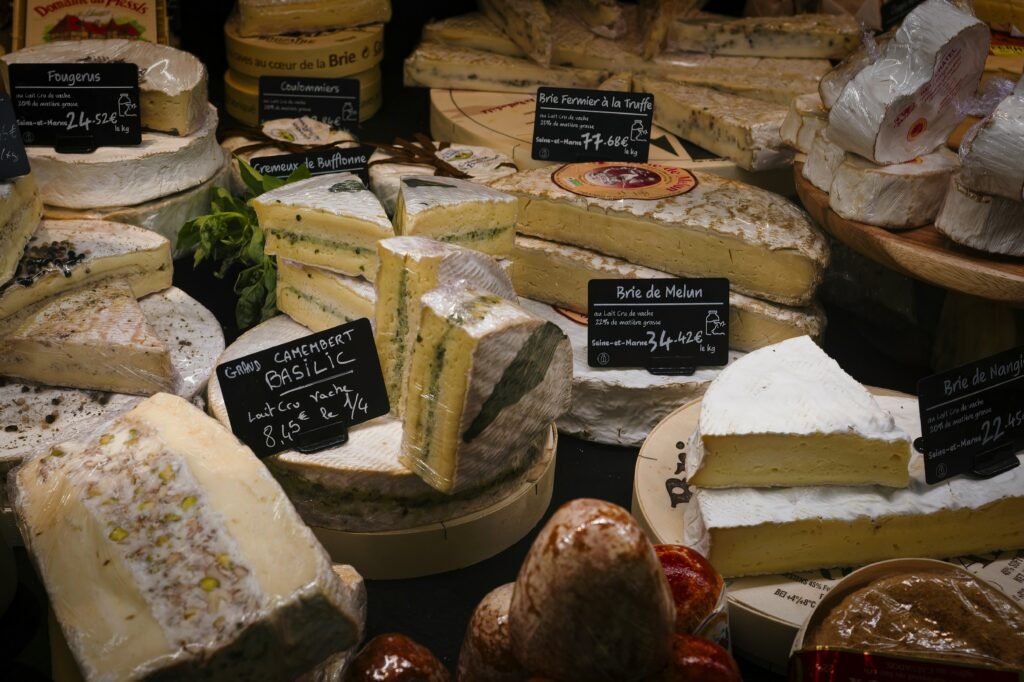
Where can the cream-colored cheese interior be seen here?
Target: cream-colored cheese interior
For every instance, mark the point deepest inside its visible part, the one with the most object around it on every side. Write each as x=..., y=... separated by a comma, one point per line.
x=319, y=299
x=487, y=226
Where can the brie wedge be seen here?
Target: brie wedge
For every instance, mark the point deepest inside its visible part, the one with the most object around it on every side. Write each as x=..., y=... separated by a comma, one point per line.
x=828, y=36
x=20, y=212
x=321, y=299
x=822, y=161
x=806, y=117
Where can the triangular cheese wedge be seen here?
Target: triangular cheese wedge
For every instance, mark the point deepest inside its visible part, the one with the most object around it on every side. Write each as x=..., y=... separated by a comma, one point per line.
x=20, y=211
x=788, y=415
x=93, y=338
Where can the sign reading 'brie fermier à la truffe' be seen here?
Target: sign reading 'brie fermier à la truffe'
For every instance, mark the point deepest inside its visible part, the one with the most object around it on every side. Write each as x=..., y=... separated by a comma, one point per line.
x=592, y=125
x=334, y=101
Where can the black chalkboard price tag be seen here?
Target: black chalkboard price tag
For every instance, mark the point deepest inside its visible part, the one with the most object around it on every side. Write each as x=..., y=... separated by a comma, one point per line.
x=77, y=107
x=322, y=162
x=592, y=125
x=304, y=394
x=13, y=159
x=668, y=326
x=972, y=417
x=334, y=101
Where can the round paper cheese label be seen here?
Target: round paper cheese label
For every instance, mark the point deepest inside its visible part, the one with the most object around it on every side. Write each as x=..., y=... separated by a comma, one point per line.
x=624, y=180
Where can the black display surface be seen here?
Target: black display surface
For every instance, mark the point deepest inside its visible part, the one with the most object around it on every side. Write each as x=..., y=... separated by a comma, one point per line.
x=13, y=159
x=573, y=125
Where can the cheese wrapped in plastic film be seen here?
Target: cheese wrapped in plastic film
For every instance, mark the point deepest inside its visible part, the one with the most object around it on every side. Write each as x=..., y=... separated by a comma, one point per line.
x=992, y=153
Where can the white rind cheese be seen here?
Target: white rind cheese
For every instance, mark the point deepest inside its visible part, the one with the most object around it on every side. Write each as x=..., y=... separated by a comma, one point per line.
x=822, y=161
x=805, y=119
x=833, y=82
x=172, y=83
x=526, y=22
x=320, y=299
x=20, y=212
x=765, y=245
x=789, y=415
x=993, y=157
x=981, y=221
x=331, y=221
x=900, y=196
x=826, y=36
x=127, y=176
x=241, y=587
x=486, y=379
x=275, y=17
x=908, y=102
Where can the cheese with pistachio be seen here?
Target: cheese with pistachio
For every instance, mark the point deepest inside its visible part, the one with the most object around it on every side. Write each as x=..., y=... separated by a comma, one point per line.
x=167, y=549
x=822, y=36
x=741, y=129
x=64, y=254
x=486, y=379
x=20, y=212
x=526, y=22
x=320, y=298
x=331, y=221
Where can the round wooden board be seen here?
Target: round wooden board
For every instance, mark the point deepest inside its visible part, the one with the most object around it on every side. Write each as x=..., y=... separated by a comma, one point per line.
x=923, y=253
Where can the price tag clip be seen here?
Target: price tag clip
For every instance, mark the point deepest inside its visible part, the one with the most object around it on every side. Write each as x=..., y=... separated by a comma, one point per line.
x=75, y=144
x=988, y=463
x=673, y=366
x=336, y=437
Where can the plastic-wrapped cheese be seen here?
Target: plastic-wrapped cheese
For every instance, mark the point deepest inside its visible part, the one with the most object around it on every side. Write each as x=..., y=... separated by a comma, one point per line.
x=982, y=221
x=993, y=157
x=805, y=118
x=823, y=159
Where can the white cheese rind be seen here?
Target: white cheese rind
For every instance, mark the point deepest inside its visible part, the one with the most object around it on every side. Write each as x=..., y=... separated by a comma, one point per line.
x=993, y=157
x=828, y=36
x=127, y=176
x=274, y=17
x=526, y=22
x=833, y=82
x=899, y=197
x=805, y=119
x=822, y=161
x=20, y=212
x=907, y=103
x=981, y=221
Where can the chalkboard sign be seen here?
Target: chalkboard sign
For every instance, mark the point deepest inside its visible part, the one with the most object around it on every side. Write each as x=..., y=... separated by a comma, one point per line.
x=77, y=107
x=592, y=125
x=304, y=394
x=334, y=101
x=13, y=159
x=972, y=417
x=321, y=162
x=668, y=326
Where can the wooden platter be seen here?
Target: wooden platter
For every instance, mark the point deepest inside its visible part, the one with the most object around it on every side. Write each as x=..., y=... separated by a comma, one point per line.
x=923, y=253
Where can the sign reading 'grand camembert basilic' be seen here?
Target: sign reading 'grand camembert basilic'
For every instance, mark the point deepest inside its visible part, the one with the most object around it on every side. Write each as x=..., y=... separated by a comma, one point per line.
x=47, y=21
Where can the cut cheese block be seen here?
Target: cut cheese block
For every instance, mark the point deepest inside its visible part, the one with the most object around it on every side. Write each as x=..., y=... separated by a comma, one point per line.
x=981, y=221
x=242, y=95
x=486, y=379
x=439, y=66
x=741, y=129
x=805, y=119
x=410, y=267
x=127, y=176
x=655, y=18
x=899, y=196
x=172, y=83
x=602, y=17
x=167, y=548
x=622, y=82
x=64, y=254
x=993, y=157
x=335, y=53
x=20, y=212
x=96, y=337
x=908, y=102
x=833, y=83
x=361, y=486
x=456, y=212
x=559, y=274
x=788, y=415
x=526, y=22
x=480, y=163
x=765, y=245
x=329, y=220
x=476, y=32
x=756, y=82
x=822, y=161
x=826, y=36
x=276, y=17
x=320, y=299
x=617, y=406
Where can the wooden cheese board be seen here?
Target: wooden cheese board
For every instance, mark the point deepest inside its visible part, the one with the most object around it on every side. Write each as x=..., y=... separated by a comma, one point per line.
x=923, y=253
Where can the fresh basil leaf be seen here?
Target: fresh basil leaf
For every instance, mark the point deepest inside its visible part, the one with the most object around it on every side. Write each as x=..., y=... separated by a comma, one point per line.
x=251, y=178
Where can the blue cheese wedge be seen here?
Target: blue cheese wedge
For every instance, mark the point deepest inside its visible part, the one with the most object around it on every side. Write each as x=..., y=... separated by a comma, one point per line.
x=823, y=36
x=526, y=22
x=168, y=549
x=20, y=212
x=331, y=221
x=456, y=212
x=321, y=299
x=486, y=379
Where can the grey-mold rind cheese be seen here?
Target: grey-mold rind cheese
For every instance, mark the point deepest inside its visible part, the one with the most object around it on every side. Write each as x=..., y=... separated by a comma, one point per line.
x=901, y=196
x=982, y=221
x=320, y=299
x=993, y=156
x=168, y=550
x=822, y=161
x=907, y=102
x=526, y=22
x=764, y=244
x=825, y=36
x=128, y=176
x=20, y=212
x=806, y=117
x=172, y=82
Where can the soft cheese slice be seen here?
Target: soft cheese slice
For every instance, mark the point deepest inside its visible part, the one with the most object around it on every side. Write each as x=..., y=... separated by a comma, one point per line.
x=827, y=36
x=275, y=17
x=439, y=66
x=331, y=221
x=993, y=157
x=486, y=379
x=822, y=161
x=410, y=267
x=167, y=549
x=172, y=82
x=20, y=212
x=756, y=83
x=321, y=299
x=96, y=337
x=526, y=22
x=126, y=176
x=765, y=245
x=907, y=103
x=64, y=254
x=982, y=221
x=473, y=31
x=806, y=117
x=833, y=83
x=559, y=274
x=900, y=196
x=456, y=212
x=741, y=129
x=788, y=415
